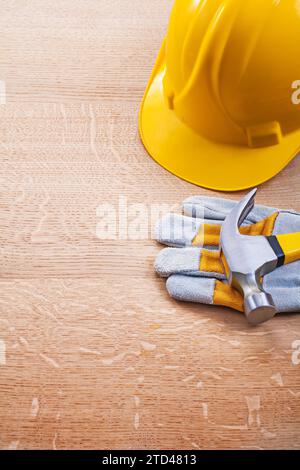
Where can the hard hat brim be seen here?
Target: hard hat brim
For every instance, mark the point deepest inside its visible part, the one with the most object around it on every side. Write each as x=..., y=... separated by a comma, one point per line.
x=201, y=161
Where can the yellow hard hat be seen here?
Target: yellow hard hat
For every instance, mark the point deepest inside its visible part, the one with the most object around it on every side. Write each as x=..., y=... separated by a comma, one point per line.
x=221, y=107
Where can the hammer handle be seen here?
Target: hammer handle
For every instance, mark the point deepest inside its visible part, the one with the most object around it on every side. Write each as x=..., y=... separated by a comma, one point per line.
x=290, y=246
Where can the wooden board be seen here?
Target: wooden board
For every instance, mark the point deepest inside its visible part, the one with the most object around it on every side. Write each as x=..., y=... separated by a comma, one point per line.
x=93, y=352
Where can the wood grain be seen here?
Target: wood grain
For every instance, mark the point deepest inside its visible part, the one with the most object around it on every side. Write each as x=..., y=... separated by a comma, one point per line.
x=93, y=352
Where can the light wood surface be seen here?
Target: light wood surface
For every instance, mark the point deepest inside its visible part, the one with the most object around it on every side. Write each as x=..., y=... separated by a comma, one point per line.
x=93, y=352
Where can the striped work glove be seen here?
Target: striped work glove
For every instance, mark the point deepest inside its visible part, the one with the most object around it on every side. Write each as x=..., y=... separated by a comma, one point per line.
x=192, y=262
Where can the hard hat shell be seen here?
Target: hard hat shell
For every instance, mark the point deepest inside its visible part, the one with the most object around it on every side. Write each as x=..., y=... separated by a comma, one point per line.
x=218, y=110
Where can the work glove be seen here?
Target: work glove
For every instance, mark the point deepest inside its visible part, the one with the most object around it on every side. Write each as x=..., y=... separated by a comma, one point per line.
x=192, y=263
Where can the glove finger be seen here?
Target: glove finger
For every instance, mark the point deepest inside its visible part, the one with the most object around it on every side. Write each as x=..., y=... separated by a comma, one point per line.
x=287, y=222
x=216, y=209
x=284, y=286
x=201, y=290
x=190, y=261
x=178, y=231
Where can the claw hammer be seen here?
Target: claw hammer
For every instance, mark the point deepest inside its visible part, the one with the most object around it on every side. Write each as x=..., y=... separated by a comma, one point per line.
x=248, y=258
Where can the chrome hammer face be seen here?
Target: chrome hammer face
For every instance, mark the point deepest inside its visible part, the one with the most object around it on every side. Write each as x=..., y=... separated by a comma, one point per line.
x=247, y=259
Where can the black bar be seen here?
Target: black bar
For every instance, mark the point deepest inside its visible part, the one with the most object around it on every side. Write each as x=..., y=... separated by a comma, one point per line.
x=136, y=459
x=277, y=250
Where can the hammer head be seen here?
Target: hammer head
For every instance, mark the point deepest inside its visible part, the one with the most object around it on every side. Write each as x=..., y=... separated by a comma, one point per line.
x=247, y=259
